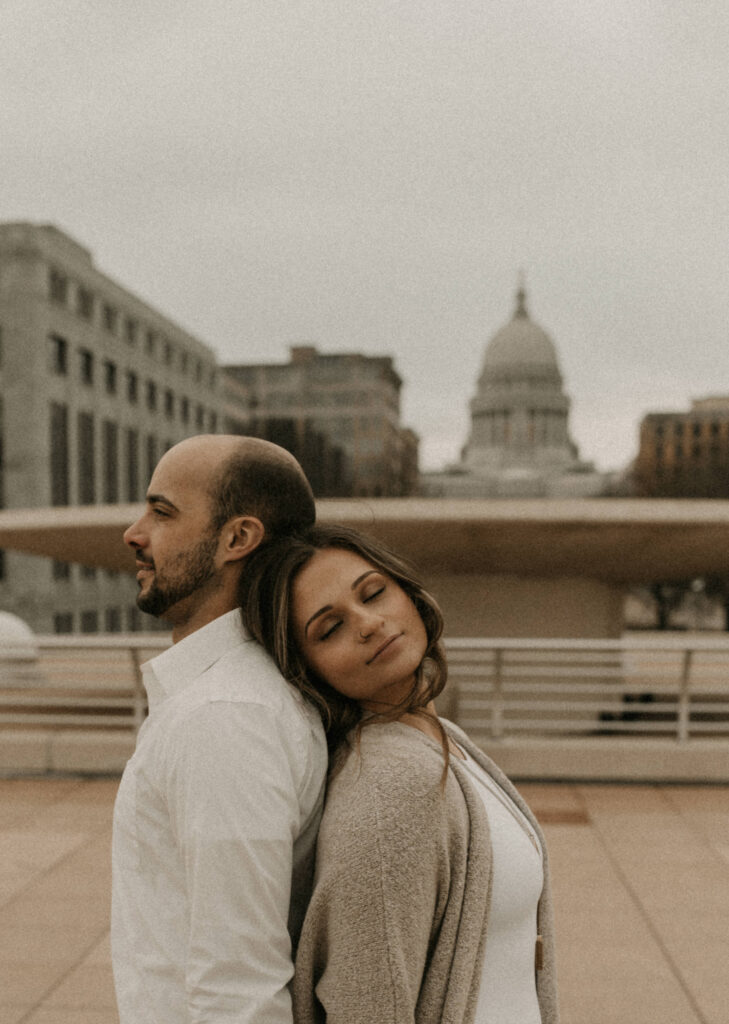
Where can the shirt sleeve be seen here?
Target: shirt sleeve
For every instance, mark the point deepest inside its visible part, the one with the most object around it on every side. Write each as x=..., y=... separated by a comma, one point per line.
x=235, y=812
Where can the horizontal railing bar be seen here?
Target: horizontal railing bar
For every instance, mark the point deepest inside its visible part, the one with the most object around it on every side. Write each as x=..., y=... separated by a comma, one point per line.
x=120, y=722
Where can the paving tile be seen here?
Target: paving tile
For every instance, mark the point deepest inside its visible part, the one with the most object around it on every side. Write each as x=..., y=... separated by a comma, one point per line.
x=100, y=955
x=22, y=799
x=13, y=1014
x=54, y=1015
x=558, y=803
x=48, y=930
x=37, y=849
x=609, y=962
x=25, y=983
x=87, y=871
x=89, y=986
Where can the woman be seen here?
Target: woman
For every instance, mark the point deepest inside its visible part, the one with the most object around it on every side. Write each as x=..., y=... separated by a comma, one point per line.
x=431, y=898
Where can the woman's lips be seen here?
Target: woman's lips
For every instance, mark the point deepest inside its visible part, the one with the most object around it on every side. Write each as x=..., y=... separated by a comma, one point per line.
x=384, y=646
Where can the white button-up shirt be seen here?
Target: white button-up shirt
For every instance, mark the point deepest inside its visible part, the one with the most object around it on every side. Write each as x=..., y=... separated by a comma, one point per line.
x=214, y=835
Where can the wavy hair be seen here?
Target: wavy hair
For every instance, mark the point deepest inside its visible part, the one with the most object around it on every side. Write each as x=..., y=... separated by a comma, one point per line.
x=265, y=598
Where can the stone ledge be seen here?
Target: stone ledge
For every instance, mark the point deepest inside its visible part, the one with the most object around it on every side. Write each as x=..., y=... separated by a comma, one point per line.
x=46, y=751
x=610, y=760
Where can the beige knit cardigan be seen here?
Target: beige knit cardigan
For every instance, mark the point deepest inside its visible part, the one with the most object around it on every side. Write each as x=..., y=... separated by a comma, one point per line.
x=398, y=922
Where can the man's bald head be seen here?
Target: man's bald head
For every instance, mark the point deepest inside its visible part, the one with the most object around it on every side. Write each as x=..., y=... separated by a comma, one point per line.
x=246, y=476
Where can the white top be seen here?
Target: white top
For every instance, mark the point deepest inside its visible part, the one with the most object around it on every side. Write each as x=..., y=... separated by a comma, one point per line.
x=508, y=992
x=216, y=814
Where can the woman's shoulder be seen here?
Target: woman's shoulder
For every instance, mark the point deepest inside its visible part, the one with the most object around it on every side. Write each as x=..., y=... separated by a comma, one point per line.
x=388, y=770
x=386, y=793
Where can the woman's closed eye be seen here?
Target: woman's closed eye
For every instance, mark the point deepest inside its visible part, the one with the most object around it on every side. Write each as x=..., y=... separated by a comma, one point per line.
x=330, y=630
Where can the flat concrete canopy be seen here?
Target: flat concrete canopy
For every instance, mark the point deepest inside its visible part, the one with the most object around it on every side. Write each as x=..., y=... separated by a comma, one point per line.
x=611, y=540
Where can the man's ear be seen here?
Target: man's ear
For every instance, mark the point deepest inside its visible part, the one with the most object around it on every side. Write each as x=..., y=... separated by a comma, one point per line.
x=241, y=536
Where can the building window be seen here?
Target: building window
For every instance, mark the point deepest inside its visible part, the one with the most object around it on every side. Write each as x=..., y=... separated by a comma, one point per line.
x=183, y=362
x=134, y=619
x=151, y=455
x=130, y=330
x=59, y=449
x=132, y=387
x=185, y=410
x=169, y=404
x=150, y=343
x=112, y=620
x=86, y=366
x=90, y=622
x=85, y=303
x=167, y=353
x=86, y=459
x=110, y=318
x=110, y=377
x=61, y=570
x=58, y=286
x=2, y=476
x=199, y=417
x=213, y=421
x=132, y=465
x=111, y=461
x=151, y=395
x=58, y=352
x=63, y=622
x=88, y=572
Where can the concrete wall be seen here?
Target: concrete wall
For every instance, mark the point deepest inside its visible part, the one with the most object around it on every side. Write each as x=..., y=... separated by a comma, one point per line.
x=514, y=606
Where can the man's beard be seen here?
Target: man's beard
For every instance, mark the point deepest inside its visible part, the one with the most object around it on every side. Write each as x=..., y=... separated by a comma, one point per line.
x=187, y=572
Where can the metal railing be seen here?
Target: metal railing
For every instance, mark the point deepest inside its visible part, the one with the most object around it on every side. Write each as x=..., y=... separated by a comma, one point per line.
x=668, y=686
x=78, y=683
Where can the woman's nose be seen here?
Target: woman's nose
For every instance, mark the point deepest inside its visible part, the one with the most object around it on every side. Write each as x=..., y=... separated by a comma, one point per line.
x=368, y=624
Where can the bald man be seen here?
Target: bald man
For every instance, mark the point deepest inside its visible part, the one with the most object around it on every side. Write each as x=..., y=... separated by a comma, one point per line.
x=217, y=811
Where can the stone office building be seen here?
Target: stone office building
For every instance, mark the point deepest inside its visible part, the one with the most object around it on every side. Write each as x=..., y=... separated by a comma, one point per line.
x=94, y=386
x=685, y=454
x=347, y=404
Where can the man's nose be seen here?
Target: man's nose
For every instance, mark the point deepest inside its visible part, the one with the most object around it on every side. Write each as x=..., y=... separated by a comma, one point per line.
x=132, y=535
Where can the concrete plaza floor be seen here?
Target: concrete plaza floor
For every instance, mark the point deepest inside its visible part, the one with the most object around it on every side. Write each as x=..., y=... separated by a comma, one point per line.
x=641, y=878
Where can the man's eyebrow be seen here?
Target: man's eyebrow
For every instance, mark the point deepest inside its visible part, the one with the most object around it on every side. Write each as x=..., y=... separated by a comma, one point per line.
x=328, y=607
x=159, y=499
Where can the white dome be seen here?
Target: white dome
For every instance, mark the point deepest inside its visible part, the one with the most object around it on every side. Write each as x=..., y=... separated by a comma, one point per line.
x=520, y=344
x=17, y=639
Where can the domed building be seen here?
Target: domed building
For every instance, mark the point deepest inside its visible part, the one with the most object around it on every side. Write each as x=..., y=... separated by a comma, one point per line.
x=519, y=444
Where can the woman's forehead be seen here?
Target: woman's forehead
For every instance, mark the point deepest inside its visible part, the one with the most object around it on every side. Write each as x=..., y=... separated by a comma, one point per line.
x=329, y=571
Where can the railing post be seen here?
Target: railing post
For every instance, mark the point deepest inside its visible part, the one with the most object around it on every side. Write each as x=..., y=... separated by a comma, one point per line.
x=684, y=698
x=497, y=708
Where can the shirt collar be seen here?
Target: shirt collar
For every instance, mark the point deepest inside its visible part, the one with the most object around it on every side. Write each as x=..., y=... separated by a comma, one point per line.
x=181, y=664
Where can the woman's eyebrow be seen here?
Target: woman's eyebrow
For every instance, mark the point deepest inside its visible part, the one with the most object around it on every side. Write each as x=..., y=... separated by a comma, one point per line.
x=328, y=607
x=363, y=577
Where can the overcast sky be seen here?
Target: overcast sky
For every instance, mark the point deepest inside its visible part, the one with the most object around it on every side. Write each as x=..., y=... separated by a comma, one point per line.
x=370, y=175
